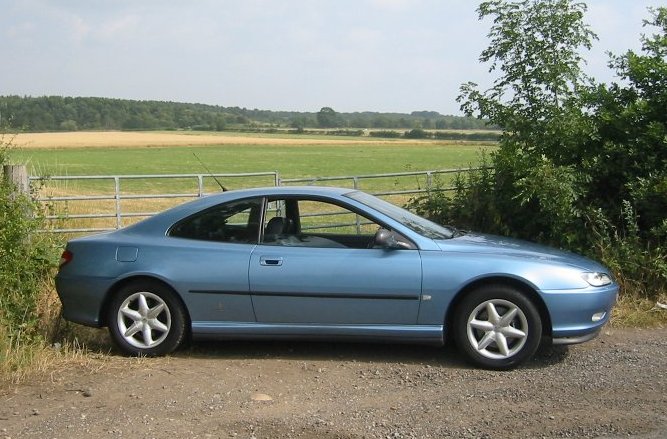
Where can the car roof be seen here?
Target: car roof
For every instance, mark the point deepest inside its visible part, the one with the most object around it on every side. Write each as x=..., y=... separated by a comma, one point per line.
x=163, y=220
x=284, y=190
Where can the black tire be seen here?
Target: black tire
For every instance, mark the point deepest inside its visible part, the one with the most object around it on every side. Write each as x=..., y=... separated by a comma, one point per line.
x=153, y=322
x=489, y=323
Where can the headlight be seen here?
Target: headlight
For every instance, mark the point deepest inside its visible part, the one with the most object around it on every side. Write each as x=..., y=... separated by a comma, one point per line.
x=597, y=279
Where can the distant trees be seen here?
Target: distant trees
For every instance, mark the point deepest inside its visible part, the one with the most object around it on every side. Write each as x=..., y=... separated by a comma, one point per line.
x=57, y=113
x=328, y=118
x=69, y=125
x=416, y=133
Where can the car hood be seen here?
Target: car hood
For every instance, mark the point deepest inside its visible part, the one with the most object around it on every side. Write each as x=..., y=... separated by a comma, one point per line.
x=502, y=246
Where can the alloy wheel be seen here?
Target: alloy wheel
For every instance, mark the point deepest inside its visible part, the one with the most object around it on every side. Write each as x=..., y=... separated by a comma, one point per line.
x=144, y=320
x=497, y=329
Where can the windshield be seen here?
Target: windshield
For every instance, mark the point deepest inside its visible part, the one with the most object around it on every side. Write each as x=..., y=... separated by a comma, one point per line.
x=414, y=222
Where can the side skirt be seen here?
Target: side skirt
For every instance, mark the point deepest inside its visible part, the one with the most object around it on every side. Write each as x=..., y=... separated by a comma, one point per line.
x=427, y=334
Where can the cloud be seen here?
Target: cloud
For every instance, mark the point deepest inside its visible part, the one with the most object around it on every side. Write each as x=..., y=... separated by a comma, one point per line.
x=78, y=28
x=20, y=31
x=394, y=5
x=119, y=28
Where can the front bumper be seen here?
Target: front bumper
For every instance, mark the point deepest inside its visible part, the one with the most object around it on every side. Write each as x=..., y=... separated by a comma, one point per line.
x=575, y=340
x=579, y=315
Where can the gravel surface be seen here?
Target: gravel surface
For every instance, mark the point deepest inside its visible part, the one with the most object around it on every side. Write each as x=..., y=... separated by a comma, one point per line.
x=612, y=387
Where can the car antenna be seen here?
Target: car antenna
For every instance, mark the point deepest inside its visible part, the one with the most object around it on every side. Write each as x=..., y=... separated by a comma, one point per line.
x=224, y=189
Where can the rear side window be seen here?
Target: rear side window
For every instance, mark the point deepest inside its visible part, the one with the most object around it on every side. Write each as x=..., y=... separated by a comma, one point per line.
x=237, y=221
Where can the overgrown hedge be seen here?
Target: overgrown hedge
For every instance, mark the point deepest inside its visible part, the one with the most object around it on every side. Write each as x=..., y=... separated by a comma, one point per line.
x=580, y=165
x=28, y=262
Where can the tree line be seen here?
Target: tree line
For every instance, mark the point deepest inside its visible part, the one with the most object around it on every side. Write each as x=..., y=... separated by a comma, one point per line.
x=63, y=113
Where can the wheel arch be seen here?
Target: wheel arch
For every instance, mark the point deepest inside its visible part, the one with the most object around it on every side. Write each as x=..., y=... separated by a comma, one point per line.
x=104, y=309
x=518, y=284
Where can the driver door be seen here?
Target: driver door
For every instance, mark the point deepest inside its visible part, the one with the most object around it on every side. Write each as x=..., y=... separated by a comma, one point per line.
x=325, y=271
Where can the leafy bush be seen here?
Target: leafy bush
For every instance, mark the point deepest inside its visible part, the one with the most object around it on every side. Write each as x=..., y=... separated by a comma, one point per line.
x=28, y=259
x=389, y=134
x=641, y=266
x=491, y=136
x=580, y=165
x=469, y=202
x=352, y=133
x=417, y=133
x=475, y=202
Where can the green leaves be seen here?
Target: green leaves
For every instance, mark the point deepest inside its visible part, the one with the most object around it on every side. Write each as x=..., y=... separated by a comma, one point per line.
x=580, y=164
x=27, y=262
x=630, y=145
x=535, y=48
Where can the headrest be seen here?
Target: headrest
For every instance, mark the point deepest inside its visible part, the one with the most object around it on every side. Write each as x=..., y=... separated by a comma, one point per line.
x=275, y=226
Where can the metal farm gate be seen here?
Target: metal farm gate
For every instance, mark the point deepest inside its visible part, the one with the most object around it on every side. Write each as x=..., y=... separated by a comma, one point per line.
x=94, y=203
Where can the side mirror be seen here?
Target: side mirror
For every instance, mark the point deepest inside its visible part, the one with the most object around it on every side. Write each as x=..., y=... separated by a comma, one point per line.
x=388, y=239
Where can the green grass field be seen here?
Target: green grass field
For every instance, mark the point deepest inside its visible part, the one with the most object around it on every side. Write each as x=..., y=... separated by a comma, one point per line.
x=289, y=161
x=308, y=157
x=291, y=157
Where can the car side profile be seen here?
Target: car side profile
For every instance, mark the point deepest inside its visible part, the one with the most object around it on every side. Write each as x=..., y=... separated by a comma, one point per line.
x=328, y=263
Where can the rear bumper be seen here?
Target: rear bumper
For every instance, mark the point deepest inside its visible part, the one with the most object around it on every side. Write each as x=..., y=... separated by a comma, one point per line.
x=83, y=298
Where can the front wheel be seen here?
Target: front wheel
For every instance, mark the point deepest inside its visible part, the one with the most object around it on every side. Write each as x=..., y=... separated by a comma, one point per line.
x=145, y=318
x=497, y=327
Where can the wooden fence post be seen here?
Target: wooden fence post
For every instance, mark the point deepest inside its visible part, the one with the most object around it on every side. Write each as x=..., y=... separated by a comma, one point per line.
x=18, y=176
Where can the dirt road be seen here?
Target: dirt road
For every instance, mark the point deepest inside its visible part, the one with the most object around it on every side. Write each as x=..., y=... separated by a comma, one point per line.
x=614, y=386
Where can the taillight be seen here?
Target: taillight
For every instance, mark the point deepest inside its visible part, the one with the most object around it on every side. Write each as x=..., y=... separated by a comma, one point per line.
x=65, y=258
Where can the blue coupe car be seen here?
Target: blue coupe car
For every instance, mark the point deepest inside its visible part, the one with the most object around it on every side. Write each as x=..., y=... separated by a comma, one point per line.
x=328, y=263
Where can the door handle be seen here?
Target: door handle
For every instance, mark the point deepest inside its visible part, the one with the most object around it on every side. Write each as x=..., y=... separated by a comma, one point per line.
x=270, y=261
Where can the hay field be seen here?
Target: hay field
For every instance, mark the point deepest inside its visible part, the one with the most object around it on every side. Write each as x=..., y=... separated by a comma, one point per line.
x=107, y=139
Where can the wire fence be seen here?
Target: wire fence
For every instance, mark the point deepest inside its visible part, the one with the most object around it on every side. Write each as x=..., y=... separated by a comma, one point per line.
x=95, y=203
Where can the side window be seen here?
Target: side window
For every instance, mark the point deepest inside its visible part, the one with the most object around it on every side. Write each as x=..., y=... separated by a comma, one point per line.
x=325, y=218
x=237, y=221
x=314, y=223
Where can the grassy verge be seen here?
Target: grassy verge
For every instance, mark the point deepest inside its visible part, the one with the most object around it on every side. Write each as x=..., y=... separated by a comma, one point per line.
x=53, y=344
x=632, y=312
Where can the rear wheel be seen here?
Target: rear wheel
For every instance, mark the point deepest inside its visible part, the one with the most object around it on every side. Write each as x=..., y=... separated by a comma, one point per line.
x=145, y=318
x=497, y=327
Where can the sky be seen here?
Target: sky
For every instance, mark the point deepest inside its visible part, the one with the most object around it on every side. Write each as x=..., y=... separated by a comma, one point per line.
x=294, y=55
